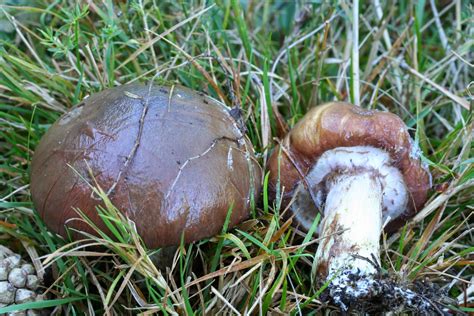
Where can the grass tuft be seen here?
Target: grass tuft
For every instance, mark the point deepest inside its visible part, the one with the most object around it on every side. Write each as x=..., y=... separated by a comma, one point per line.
x=281, y=58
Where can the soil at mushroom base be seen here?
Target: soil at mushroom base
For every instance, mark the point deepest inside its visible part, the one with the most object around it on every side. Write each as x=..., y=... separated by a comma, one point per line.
x=363, y=171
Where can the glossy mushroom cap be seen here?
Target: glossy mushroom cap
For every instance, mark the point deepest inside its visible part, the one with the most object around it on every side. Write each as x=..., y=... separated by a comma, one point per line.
x=338, y=125
x=174, y=160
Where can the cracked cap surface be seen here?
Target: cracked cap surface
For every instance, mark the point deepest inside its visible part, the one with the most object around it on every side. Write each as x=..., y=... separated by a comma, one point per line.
x=191, y=165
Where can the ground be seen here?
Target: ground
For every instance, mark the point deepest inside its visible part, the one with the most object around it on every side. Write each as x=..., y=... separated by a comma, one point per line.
x=274, y=59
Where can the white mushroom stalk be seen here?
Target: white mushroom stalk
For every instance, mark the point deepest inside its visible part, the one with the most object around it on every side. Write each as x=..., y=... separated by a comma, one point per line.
x=351, y=225
x=359, y=189
x=360, y=170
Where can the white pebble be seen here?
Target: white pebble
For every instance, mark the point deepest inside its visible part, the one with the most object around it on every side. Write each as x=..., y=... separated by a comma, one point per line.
x=17, y=277
x=23, y=296
x=5, y=252
x=20, y=313
x=7, y=293
x=32, y=282
x=4, y=270
x=13, y=261
x=28, y=268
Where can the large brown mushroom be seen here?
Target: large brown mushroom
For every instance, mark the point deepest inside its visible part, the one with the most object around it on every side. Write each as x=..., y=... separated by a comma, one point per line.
x=362, y=171
x=171, y=159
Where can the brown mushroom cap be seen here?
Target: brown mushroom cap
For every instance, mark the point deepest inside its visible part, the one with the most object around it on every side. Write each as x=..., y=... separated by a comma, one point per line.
x=339, y=124
x=192, y=164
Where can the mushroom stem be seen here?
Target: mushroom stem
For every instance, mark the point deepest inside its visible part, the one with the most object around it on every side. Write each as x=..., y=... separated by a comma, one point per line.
x=351, y=226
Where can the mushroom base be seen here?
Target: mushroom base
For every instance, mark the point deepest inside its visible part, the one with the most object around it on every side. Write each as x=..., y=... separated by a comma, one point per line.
x=353, y=290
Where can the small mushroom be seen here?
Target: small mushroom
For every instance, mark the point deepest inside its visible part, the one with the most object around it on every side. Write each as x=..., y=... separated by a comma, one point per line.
x=361, y=169
x=173, y=160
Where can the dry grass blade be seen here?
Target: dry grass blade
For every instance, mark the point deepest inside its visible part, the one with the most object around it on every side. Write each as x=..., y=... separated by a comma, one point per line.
x=464, y=103
x=440, y=199
x=200, y=68
x=162, y=35
x=223, y=299
x=273, y=60
x=355, y=53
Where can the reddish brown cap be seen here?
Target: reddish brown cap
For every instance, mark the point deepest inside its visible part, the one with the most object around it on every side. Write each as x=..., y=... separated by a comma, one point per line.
x=339, y=124
x=191, y=164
